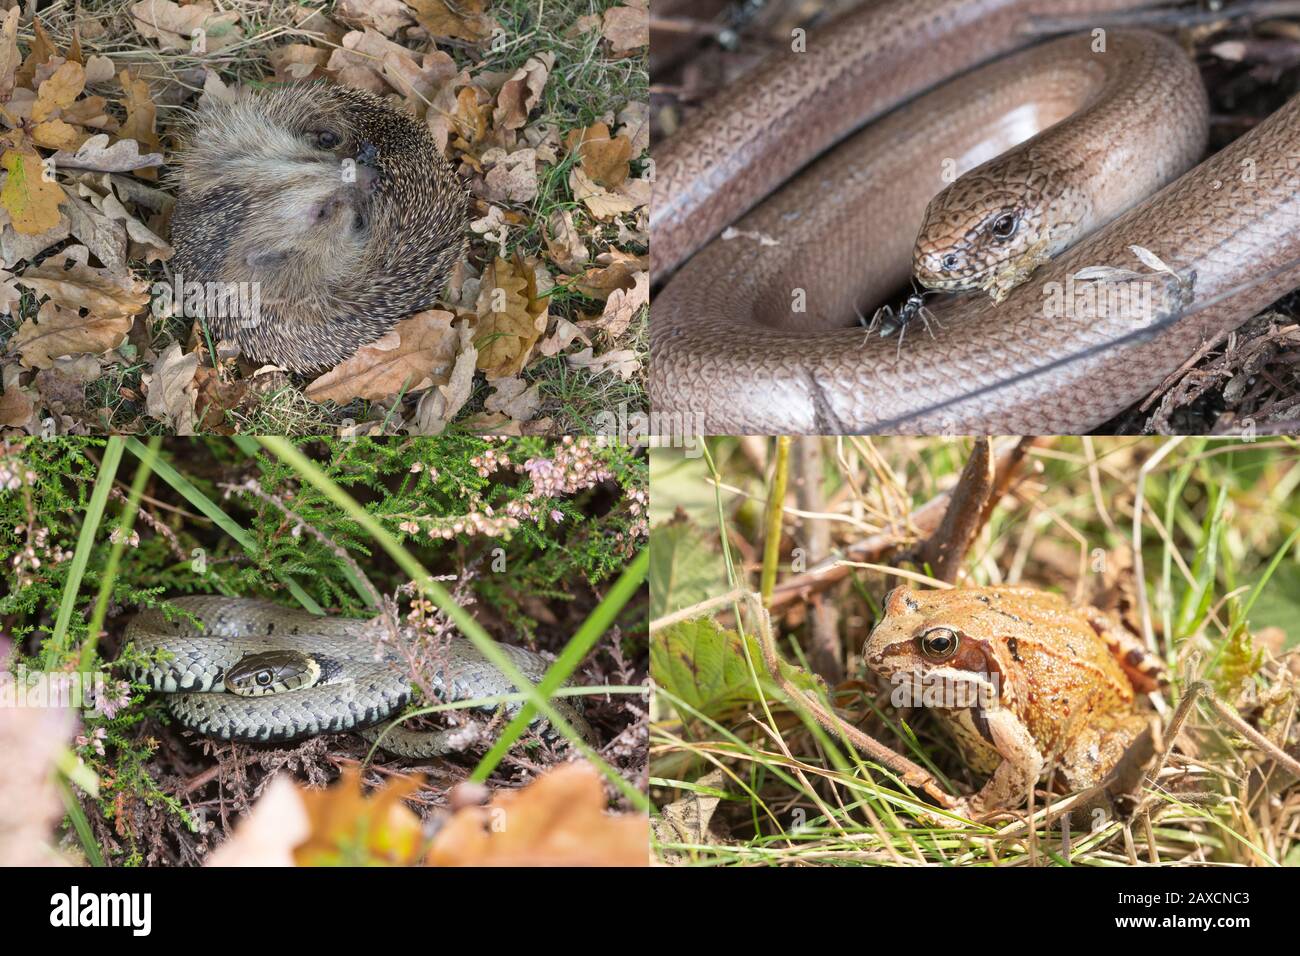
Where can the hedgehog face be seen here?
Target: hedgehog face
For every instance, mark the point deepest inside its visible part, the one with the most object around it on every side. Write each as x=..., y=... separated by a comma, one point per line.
x=336, y=205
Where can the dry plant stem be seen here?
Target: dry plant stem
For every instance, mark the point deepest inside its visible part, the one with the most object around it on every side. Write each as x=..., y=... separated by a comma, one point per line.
x=945, y=550
x=924, y=519
x=775, y=511
x=911, y=774
x=1144, y=609
x=825, y=655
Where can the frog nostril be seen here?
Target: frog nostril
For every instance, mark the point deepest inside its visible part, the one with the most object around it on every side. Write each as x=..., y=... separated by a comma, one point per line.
x=939, y=643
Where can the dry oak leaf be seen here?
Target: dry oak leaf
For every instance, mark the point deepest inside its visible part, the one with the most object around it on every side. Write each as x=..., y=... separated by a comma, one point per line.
x=603, y=204
x=514, y=397
x=72, y=284
x=386, y=16
x=141, y=114
x=419, y=352
x=563, y=241
x=196, y=26
x=16, y=408
x=557, y=820
x=634, y=123
x=603, y=158
x=622, y=306
x=297, y=61
x=267, y=836
x=513, y=176
x=511, y=318
x=349, y=828
x=614, y=270
x=622, y=362
x=56, y=332
x=10, y=57
x=458, y=19
x=96, y=155
x=31, y=201
x=441, y=404
x=63, y=86
x=172, y=391
x=626, y=28
x=520, y=93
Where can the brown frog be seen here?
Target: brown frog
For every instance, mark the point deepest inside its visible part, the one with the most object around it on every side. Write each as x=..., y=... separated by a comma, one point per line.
x=1025, y=682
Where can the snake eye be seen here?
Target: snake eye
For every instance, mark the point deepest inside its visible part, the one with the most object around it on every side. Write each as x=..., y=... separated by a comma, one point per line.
x=1004, y=226
x=263, y=677
x=950, y=261
x=939, y=643
x=326, y=138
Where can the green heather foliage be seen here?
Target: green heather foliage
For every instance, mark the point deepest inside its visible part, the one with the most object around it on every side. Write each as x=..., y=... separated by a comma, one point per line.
x=524, y=518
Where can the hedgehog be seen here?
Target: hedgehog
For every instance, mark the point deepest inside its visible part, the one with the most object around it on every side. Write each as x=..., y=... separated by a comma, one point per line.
x=309, y=219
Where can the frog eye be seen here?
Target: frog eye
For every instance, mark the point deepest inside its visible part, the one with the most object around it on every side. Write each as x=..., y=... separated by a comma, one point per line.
x=939, y=643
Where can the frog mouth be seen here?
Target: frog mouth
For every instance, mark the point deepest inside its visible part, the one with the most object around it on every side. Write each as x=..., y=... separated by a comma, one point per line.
x=944, y=688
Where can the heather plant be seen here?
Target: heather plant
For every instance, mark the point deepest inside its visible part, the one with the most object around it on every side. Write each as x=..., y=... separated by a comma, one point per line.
x=530, y=533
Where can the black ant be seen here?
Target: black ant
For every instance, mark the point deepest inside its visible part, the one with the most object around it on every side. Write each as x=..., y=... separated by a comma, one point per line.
x=888, y=322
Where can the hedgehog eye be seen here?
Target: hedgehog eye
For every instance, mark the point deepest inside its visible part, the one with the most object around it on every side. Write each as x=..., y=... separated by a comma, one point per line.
x=1005, y=225
x=939, y=643
x=326, y=138
x=359, y=222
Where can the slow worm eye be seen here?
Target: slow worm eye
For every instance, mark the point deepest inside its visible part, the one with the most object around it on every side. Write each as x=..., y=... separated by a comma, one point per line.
x=1004, y=226
x=939, y=643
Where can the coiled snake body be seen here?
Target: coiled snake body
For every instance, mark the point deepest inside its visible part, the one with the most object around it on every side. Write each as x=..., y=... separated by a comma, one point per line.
x=755, y=333
x=352, y=685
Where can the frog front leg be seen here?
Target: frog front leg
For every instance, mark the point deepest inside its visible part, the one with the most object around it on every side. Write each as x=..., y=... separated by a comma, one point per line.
x=1022, y=763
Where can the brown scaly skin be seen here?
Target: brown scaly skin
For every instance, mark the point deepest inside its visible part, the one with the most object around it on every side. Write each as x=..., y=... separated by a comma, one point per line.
x=339, y=251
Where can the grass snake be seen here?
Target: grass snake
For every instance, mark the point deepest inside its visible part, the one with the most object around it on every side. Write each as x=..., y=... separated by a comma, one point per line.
x=304, y=674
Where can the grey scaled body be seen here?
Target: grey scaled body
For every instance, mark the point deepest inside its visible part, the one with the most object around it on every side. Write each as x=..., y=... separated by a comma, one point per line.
x=358, y=687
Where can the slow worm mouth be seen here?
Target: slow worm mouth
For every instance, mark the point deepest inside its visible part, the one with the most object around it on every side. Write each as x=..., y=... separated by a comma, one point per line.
x=946, y=283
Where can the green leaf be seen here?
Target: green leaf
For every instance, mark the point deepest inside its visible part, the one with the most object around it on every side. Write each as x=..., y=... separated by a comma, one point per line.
x=684, y=569
x=704, y=666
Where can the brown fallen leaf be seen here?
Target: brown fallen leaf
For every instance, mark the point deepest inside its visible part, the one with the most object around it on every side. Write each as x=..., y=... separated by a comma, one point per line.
x=419, y=352
x=511, y=318
x=386, y=16
x=16, y=408
x=348, y=828
x=614, y=269
x=10, y=56
x=622, y=306
x=438, y=406
x=70, y=282
x=141, y=118
x=182, y=28
x=57, y=331
x=604, y=158
x=513, y=176
x=172, y=394
x=520, y=93
x=276, y=825
x=626, y=28
x=565, y=244
x=31, y=201
x=621, y=362
x=95, y=154
x=557, y=820
x=601, y=202
x=59, y=91
x=514, y=397
x=467, y=21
